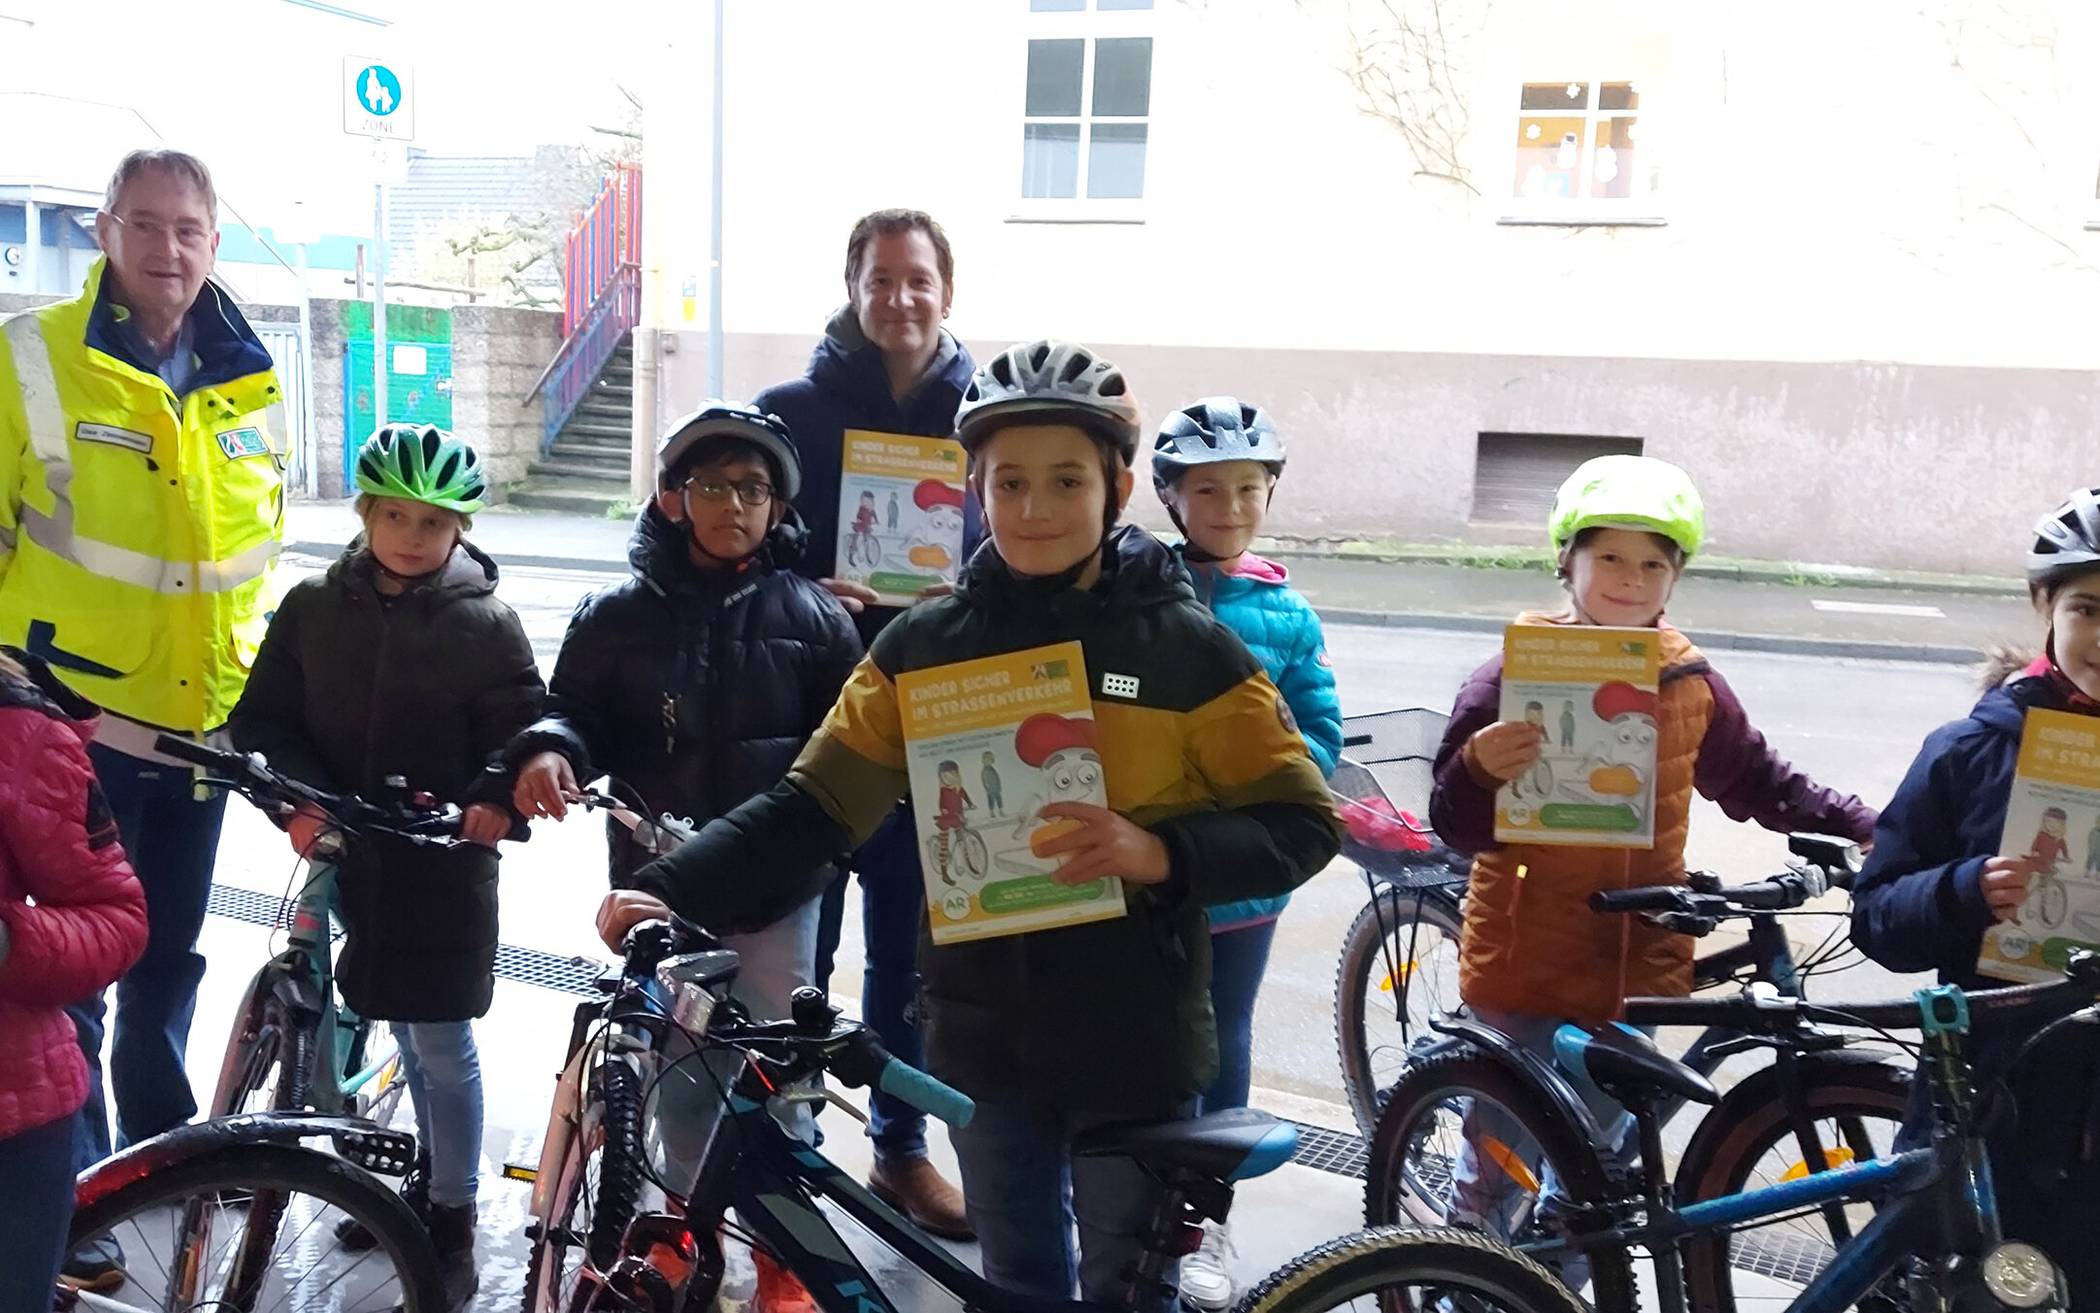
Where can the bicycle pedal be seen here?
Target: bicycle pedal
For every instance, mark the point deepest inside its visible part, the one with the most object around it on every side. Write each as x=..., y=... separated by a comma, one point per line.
x=378, y=1150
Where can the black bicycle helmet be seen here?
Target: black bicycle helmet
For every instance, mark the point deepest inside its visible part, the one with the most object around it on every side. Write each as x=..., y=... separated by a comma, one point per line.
x=1045, y=382
x=2066, y=540
x=1212, y=430
x=734, y=419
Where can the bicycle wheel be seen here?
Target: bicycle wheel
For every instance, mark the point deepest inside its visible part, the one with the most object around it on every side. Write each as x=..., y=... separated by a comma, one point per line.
x=1399, y=968
x=268, y=1059
x=971, y=845
x=1747, y=1143
x=598, y=1185
x=1412, y=1272
x=194, y=1237
x=1414, y=1156
x=2056, y=903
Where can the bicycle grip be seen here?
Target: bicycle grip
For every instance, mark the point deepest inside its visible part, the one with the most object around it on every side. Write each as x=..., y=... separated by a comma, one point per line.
x=1658, y=898
x=196, y=754
x=1686, y=1011
x=901, y=1080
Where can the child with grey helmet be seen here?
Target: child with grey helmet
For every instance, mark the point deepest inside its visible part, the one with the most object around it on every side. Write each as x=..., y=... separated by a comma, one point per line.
x=1215, y=465
x=1210, y=798
x=694, y=682
x=401, y=661
x=1935, y=882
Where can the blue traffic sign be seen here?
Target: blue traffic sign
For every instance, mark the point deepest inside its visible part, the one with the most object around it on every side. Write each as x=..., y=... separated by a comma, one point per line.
x=378, y=90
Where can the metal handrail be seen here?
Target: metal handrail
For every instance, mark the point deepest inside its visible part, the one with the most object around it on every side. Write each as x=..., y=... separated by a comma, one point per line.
x=629, y=275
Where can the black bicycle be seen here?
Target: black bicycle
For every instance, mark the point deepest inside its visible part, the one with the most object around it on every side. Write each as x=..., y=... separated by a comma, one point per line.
x=1823, y=1101
x=757, y=1185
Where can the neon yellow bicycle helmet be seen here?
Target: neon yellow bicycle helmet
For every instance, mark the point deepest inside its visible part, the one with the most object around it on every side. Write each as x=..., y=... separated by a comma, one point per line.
x=422, y=462
x=1629, y=492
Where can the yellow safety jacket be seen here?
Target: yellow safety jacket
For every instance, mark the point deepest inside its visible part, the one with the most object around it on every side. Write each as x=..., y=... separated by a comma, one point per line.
x=138, y=529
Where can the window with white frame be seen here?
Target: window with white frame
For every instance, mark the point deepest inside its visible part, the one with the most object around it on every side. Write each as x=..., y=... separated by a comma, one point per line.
x=1580, y=151
x=1088, y=101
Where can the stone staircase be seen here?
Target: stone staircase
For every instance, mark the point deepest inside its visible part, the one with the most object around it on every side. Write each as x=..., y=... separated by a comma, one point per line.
x=585, y=472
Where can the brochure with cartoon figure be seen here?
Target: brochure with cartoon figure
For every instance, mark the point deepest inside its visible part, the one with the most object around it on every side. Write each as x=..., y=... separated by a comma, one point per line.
x=1591, y=692
x=988, y=745
x=900, y=513
x=2053, y=820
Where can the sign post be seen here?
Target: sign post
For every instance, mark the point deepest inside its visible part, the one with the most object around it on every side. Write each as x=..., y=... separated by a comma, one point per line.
x=379, y=102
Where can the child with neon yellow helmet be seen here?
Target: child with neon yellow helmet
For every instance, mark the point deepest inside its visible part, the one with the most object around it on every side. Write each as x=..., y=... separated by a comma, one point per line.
x=401, y=661
x=1532, y=955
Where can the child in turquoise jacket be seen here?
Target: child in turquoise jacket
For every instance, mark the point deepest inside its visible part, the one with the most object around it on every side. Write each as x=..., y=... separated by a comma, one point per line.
x=1215, y=465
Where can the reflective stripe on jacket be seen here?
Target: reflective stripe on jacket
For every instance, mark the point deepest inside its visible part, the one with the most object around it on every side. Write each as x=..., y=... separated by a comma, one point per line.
x=138, y=529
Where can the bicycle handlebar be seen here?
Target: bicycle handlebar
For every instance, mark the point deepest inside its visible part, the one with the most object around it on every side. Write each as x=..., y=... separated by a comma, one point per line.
x=1776, y=893
x=250, y=774
x=933, y=1097
x=1755, y=1012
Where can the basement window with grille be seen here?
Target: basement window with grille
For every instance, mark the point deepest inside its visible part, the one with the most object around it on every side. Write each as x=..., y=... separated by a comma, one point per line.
x=1516, y=474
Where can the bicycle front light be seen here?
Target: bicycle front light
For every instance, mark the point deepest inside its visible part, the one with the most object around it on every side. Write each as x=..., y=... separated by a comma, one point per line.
x=2021, y=1276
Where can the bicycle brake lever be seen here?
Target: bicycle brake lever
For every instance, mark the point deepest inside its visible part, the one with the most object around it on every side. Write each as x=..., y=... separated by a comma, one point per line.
x=824, y=1094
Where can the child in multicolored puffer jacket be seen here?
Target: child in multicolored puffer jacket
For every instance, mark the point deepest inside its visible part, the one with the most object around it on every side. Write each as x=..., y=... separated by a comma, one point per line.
x=1215, y=465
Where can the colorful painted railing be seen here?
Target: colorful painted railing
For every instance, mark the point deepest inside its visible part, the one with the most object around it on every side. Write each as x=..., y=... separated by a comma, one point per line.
x=601, y=297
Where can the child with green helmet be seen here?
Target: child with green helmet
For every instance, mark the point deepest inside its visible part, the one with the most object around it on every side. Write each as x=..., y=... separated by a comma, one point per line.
x=400, y=661
x=1532, y=955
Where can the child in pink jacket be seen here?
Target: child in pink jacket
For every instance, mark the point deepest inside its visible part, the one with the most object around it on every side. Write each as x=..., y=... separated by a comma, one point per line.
x=58, y=845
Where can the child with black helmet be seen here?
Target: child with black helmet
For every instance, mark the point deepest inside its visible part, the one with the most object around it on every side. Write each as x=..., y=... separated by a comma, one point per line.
x=694, y=682
x=1215, y=466
x=1211, y=797
x=400, y=660
x=1935, y=882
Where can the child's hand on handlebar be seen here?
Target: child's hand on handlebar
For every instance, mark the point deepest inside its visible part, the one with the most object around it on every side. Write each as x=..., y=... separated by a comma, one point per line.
x=2004, y=882
x=623, y=910
x=545, y=787
x=1506, y=749
x=485, y=823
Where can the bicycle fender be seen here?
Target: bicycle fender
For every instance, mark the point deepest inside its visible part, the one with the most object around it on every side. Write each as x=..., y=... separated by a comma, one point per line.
x=1543, y=1077
x=1759, y=1088
x=369, y=1146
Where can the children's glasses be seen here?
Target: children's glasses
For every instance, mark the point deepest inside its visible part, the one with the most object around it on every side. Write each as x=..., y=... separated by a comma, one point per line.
x=751, y=492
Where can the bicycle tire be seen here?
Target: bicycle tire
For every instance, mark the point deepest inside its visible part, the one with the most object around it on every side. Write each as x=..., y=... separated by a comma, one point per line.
x=1432, y=909
x=1367, y=1262
x=1424, y=1088
x=263, y=1168
x=1750, y=1122
x=616, y=1096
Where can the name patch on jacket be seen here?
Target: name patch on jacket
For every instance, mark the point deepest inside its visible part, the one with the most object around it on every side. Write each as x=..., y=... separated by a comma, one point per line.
x=112, y=436
x=238, y=444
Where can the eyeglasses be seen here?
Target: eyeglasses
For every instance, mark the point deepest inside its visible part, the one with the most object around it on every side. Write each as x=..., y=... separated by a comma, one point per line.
x=751, y=492
x=192, y=236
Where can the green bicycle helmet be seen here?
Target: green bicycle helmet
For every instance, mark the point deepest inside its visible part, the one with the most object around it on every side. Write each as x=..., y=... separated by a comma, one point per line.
x=1629, y=492
x=422, y=462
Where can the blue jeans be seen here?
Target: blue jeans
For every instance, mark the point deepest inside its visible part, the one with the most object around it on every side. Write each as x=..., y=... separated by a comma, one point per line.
x=443, y=1071
x=772, y=964
x=37, y=1165
x=1026, y=1193
x=1481, y=1188
x=172, y=839
x=1237, y=960
x=893, y=906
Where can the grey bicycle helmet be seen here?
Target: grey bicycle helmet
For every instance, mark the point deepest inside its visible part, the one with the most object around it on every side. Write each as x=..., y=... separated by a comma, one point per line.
x=734, y=419
x=1046, y=382
x=2066, y=540
x=1212, y=430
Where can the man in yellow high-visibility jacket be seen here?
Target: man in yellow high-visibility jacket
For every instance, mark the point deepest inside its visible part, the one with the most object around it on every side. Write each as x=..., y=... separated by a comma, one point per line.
x=141, y=514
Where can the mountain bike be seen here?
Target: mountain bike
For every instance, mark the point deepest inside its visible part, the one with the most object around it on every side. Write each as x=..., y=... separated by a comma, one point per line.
x=757, y=1184
x=1821, y=1102
x=1933, y=1241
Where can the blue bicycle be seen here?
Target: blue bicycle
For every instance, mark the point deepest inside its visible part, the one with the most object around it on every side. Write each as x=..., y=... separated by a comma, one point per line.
x=1933, y=1241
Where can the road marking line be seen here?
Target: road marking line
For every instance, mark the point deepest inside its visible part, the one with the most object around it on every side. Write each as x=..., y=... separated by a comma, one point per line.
x=1878, y=608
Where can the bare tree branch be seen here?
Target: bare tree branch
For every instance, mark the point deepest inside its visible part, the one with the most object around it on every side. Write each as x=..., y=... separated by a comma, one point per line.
x=1401, y=63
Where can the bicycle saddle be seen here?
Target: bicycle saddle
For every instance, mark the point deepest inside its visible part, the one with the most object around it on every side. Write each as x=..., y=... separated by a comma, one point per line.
x=1234, y=1145
x=1621, y=1060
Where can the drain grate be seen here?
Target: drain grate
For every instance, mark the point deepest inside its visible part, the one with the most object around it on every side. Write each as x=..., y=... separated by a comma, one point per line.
x=1336, y=1152
x=1324, y=1150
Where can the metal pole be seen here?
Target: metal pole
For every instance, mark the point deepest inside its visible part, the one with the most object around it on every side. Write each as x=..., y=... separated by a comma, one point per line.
x=379, y=359
x=714, y=267
x=309, y=440
x=33, y=243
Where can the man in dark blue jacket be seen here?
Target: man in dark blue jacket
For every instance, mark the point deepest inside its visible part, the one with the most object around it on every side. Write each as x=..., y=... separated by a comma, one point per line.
x=886, y=365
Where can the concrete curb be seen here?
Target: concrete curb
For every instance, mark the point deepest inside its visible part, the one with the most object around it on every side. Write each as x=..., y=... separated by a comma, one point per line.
x=1712, y=640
